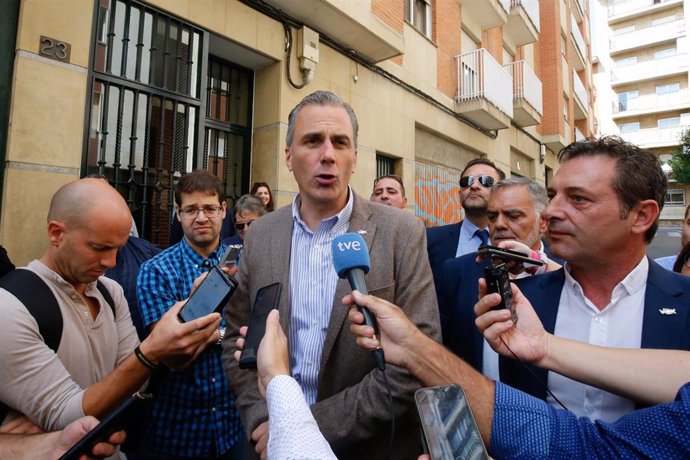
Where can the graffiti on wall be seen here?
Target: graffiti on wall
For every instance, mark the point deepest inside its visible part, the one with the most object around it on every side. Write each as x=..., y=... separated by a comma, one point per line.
x=437, y=195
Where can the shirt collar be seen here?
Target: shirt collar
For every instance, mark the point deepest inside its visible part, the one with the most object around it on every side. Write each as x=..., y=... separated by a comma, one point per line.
x=48, y=273
x=635, y=280
x=467, y=230
x=338, y=220
x=191, y=254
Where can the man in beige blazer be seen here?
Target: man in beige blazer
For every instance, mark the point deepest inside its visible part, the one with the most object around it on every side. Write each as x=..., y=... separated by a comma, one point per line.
x=292, y=246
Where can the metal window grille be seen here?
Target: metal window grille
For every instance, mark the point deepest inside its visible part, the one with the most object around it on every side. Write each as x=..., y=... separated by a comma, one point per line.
x=384, y=165
x=151, y=117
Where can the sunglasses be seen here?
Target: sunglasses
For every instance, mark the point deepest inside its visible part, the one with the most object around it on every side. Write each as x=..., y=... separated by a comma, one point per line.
x=486, y=181
x=241, y=226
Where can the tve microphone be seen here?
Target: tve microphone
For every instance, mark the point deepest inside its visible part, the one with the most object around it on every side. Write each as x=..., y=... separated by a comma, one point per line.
x=351, y=260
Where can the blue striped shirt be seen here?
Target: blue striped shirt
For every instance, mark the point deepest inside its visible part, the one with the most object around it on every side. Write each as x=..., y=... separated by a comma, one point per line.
x=193, y=413
x=312, y=287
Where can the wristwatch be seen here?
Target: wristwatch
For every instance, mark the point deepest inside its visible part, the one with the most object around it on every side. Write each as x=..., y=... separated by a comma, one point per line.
x=221, y=331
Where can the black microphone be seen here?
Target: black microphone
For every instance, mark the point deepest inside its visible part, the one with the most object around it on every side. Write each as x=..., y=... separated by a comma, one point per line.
x=351, y=260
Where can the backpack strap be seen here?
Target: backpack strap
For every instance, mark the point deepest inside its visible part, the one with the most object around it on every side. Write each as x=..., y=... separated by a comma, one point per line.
x=106, y=295
x=39, y=300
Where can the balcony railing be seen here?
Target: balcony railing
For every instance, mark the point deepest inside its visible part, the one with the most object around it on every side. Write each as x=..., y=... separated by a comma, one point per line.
x=655, y=136
x=580, y=91
x=481, y=76
x=579, y=40
x=531, y=7
x=653, y=102
x=632, y=6
x=578, y=135
x=649, y=69
x=526, y=84
x=647, y=35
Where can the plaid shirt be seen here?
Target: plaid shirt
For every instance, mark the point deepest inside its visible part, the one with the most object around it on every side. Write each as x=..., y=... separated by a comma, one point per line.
x=193, y=412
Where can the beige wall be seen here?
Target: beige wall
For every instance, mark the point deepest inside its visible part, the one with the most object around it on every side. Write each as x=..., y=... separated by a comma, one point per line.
x=49, y=99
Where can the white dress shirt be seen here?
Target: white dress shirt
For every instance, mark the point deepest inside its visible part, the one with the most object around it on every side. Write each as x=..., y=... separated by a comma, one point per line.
x=292, y=431
x=619, y=324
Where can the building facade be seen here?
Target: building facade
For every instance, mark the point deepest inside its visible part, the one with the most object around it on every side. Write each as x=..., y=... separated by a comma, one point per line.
x=642, y=65
x=143, y=92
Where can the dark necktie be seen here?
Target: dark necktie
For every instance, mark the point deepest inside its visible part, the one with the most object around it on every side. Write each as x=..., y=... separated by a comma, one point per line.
x=483, y=235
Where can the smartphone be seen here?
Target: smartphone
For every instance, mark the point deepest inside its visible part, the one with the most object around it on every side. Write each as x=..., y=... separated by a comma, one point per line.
x=266, y=300
x=448, y=426
x=497, y=280
x=231, y=256
x=211, y=295
x=506, y=254
x=118, y=420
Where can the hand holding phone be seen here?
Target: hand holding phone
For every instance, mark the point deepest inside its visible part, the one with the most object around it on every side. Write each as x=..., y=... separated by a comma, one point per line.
x=266, y=300
x=211, y=295
x=119, y=419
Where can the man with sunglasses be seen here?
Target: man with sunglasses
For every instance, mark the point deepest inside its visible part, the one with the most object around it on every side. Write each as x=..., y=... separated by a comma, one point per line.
x=193, y=414
x=389, y=189
x=454, y=240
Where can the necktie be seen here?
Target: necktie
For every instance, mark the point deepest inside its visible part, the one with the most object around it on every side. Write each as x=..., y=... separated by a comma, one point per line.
x=483, y=235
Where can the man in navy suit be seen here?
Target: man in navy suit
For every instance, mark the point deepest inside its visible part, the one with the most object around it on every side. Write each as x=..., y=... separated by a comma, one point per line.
x=514, y=213
x=453, y=240
x=605, y=201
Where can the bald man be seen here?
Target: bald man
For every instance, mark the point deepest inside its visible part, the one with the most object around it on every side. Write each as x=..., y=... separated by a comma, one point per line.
x=99, y=361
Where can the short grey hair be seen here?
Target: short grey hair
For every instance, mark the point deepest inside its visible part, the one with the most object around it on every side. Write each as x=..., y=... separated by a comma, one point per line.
x=321, y=98
x=536, y=191
x=249, y=204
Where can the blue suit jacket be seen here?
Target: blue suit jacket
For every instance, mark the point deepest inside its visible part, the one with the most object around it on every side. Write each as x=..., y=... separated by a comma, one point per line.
x=665, y=289
x=441, y=245
x=459, y=293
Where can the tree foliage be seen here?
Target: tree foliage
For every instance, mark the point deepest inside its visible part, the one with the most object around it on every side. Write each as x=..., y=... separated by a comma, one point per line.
x=680, y=161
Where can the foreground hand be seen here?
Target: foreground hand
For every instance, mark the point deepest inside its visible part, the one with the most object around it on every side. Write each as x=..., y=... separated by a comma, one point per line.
x=527, y=338
x=76, y=430
x=20, y=425
x=272, y=357
x=260, y=437
x=177, y=344
x=398, y=336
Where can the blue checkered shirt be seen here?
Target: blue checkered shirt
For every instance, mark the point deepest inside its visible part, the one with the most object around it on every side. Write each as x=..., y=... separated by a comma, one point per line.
x=526, y=427
x=193, y=412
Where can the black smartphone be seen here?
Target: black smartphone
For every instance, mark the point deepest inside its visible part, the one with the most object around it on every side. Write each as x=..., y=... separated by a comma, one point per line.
x=118, y=420
x=266, y=300
x=506, y=254
x=211, y=295
x=448, y=426
x=497, y=280
x=231, y=256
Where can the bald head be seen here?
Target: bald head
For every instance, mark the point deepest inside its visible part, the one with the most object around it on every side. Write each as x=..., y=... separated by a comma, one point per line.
x=78, y=202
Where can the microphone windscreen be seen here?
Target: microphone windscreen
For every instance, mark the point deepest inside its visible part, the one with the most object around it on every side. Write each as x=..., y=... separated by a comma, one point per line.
x=350, y=251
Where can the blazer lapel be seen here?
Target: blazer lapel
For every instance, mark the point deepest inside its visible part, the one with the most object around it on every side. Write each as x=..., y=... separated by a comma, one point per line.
x=280, y=239
x=359, y=223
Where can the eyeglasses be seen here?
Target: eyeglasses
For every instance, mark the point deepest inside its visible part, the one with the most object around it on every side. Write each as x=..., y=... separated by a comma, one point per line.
x=193, y=213
x=485, y=181
x=240, y=226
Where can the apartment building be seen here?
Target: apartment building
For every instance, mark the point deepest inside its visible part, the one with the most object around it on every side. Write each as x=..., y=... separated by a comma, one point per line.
x=144, y=91
x=642, y=66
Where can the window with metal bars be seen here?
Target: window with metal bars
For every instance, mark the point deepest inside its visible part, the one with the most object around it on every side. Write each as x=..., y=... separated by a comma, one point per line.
x=152, y=119
x=384, y=165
